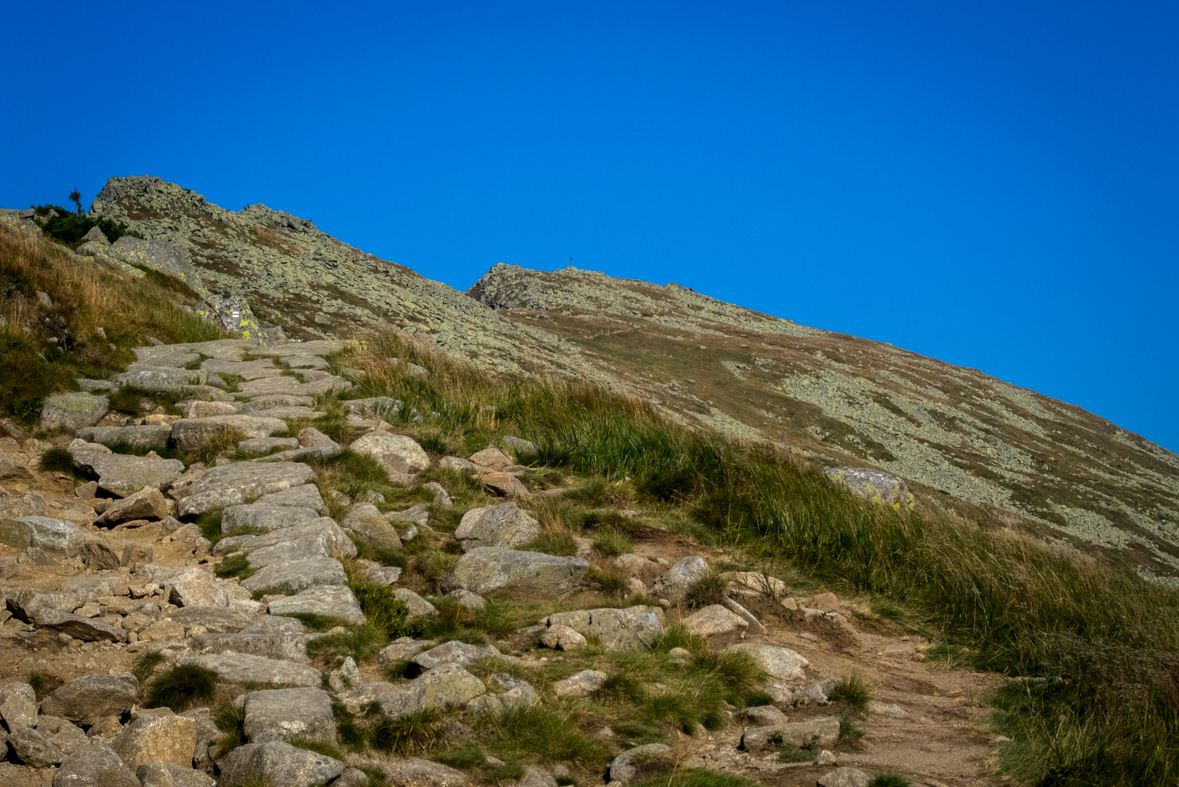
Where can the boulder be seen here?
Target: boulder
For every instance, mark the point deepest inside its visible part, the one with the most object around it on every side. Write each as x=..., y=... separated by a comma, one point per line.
x=417, y=515
x=33, y=749
x=257, y=446
x=147, y=504
x=94, y=765
x=580, y=684
x=845, y=777
x=244, y=668
x=310, y=437
x=290, y=714
x=279, y=646
x=123, y=474
x=491, y=458
x=166, y=774
x=453, y=652
x=504, y=526
x=148, y=437
x=62, y=734
x=466, y=598
x=631, y=629
x=370, y=526
x=320, y=537
x=297, y=575
x=820, y=732
x=418, y=606
x=28, y=504
x=236, y=483
x=486, y=570
x=515, y=694
x=676, y=583
x=189, y=434
x=163, y=738
x=18, y=706
x=875, y=485
x=73, y=411
x=398, y=454
x=305, y=496
x=185, y=382
x=403, y=649
x=630, y=764
x=79, y=627
x=503, y=485
x=422, y=773
x=42, y=532
x=523, y=448
x=196, y=408
x=335, y=601
x=440, y=495
x=765, y=716
x=561, y=638
x=215, y=620
x=447, y=686
x=264, y=518
x=277, y=763
x=92, y=697
x=273, y=401
x=780, y=663
x=714, y=620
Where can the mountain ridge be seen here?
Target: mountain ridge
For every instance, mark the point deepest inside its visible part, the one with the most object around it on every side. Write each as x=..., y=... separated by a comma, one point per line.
x=961, y=439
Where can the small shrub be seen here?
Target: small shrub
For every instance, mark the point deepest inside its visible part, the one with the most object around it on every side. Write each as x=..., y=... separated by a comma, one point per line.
x=737, y=672
x=384, y=610
x=232, y=722
x=852, y=691
x=223, y=442
x=612, y=544
x=145, y=665
x=182, y=687
x=889, y=780
x=43, y=683
x=56, y=460
x=553, y=543
x=362, y=644
x=236, y=564
x=319, y=747
x=543, y=733
x=407, y=734
x=758, y=699
x=708, y=590
x=792, y=754
x=849, y=730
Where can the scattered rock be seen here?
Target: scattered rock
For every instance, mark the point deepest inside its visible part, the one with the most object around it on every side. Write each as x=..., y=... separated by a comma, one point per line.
x=336, y=601
x=714, y=620
x=418, y=606
x=398, y=454
x=422, y=773
x=631, y=629
x=370, y=526
x=845, y=777
x=94, y=765
x=73, y=411
x=487, y=570
x=147, y=504
x=821, y=732
x=235, y=483
x=264, y=518
x=504, y=526
x=18, y=706
x=446, y=686
x=639, y=760
x=453, y=652
x=560, y=637
x=147, y=437
x=580, y=684
x=781, y=663
x=277, y=763
x=164, y=738
x=92, y=697
x=870, y=484
x=32, y=749
x=243, y=668
x=290, y=714
x=676, y=583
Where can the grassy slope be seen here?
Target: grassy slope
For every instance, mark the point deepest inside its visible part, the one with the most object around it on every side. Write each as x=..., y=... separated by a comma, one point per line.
x=1104, y=641
x=43, y=348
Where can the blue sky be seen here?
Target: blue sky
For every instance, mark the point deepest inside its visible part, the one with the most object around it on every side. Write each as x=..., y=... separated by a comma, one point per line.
x=995, y=185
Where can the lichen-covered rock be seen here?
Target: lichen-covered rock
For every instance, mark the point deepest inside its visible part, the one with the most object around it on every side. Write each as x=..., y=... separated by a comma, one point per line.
x=147, y=504
x=28, y=504
x=158, y=256
x=631, y=629
x=166, y=774
x=304, y=496
x=94, y=765
x=398, y=454
x=819, y=732
x=151, y=437
x=83, y=628
x=243, y=668
x=290, y=714
x=580, y=684
x=453, y=652
x=504, y=526
x=447, y=686
x=280, y=646
x=780, y=663
x=277, y=763
x=42, y=532
x=264, y=518
x=163, y=738
x=422, y=773
x=232, y=313
x=316, y=538
x=487, y=570
x=334, y=601
x=870, y=484
x=189, y=434
x=234, y=484
x=676, y=583
x=297, y=575
x=418, y=607
x=845, y=777
x=714, y=620
x=92, y=697
x=560, y=637
x=73, y=411
x=370, y=526
x=123, y=474
x=18, y=706
x=626, y=766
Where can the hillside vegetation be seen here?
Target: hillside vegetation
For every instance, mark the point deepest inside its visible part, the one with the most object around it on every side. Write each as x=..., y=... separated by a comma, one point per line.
x=1094, y=648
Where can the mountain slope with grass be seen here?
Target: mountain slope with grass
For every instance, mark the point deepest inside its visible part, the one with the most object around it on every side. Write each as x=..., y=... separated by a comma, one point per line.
x=960, y=439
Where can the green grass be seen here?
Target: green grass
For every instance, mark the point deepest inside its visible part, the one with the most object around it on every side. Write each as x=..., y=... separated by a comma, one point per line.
x=889, y=780
x=612, y=544
x=708, y=590
x=181, y=687
x=43, y=683
x=231, y=721
x=317, y=623
x=319, y=747
x=552, y=543
x=235, y=564
x=407, y=734
x=544, y=733
x=56, y=460
x=145, y=665
x=849, y=730
x=694, y=777
x=852, y=691
x=209, y=523
x=464, y=757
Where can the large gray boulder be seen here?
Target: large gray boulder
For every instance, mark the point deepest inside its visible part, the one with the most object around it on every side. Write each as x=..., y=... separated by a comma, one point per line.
x=447, y=686
x=277, y=763
x=166, y=774
x=216, y=620
x=630, y=629
x=335, y=601
x=94, y=765
x=123, y=474
x=153, y=437
x=33, y=749
x=779, y=663
x=504, y=526
x=626, y=766
x=234, y=484
x=398, y=454
x=265, y=518
x=73, y=411
x=320, y=537
x=244, y=668
x=42, y=532
x=290, y=714
x=488, y=570
x=367, y=523
x=820, y=732
x=163, y=738
x=305, y=496
x=676, y=583
x=870, y=484
x=147, y=504
x=283, y=646
x=92, y=697
x=296, y=576
x=422, y=773
x=18, y=706
x=28, y=504
x=453, y=652
x=79, y=627
x=158, y=255
x=189, y=434
x=515, y=694
x=190, y=384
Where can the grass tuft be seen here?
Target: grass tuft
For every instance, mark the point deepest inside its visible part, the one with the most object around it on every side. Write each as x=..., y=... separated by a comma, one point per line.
x=852, y=691
x=182, y=687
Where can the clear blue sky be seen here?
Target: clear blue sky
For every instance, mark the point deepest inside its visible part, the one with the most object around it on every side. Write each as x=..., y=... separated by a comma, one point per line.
x=992, y=184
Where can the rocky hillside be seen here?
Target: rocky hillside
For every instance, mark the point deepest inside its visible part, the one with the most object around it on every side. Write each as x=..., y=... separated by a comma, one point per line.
x=960, y=439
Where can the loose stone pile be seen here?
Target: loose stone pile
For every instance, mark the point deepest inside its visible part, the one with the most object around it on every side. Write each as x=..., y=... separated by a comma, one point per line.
x=93, y=730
